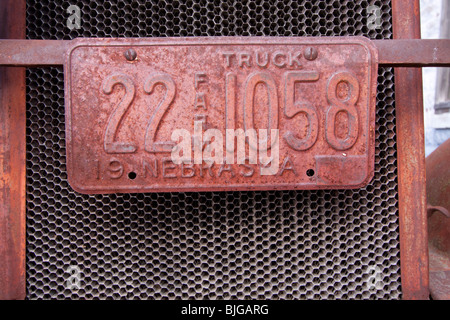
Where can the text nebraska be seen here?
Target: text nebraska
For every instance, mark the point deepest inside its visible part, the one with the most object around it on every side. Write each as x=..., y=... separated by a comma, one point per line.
x=166, y=169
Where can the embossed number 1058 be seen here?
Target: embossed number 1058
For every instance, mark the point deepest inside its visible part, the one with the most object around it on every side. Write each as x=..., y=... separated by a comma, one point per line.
x=342, y=94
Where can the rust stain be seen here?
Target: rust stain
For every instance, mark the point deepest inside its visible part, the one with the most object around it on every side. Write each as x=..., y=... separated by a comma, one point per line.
x=411, y=160
x=12, y=161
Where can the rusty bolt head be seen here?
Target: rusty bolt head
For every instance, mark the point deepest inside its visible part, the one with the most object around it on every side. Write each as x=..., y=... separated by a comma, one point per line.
x=310, y=53
x=130, y=54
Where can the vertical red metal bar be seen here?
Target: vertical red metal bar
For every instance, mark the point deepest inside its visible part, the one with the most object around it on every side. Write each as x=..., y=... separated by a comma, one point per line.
x=411, y=160
x=12, y=159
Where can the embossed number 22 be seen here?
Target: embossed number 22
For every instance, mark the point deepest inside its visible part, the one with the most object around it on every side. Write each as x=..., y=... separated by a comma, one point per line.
x=116, y=118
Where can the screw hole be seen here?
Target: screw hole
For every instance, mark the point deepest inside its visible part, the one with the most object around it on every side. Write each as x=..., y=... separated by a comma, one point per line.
x=310, y=172
x=132, y=175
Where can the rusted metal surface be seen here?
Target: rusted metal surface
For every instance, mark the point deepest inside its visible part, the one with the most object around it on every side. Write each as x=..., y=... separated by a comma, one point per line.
x=399, y=52
x=12, y=160
x=32, y=53
x=411, y=160
x=409, y=124
x=413, y=52
x=438, y=190
x=123, y=107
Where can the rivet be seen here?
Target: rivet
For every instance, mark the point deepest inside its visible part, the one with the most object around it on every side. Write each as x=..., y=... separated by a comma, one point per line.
x=310, y=53
x=130, y=54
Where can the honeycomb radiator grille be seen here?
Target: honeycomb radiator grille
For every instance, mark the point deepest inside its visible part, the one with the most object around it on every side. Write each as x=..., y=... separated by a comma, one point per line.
x=208, y=245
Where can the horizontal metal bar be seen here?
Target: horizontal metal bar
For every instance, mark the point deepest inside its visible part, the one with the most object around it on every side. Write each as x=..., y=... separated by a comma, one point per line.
x=32, y=53
x=414, y=52
x=396, y=53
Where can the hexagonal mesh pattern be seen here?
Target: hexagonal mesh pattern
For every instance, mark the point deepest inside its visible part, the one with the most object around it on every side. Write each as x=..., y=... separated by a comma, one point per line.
x=211, y=245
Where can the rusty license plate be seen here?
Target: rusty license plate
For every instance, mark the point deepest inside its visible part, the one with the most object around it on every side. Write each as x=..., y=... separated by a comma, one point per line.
x=208, y=114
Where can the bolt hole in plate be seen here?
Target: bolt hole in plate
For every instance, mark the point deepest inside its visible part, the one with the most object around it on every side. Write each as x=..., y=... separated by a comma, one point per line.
x=132, y=175
x=220, y=113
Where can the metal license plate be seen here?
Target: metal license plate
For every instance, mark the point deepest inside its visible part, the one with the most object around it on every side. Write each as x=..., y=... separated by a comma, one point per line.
x=208, y=114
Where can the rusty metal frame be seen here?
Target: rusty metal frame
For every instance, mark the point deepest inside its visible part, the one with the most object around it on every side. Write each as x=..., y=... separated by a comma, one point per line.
x=12, y=160
x=393, y=53
x=406, y=53
x=411, y=160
